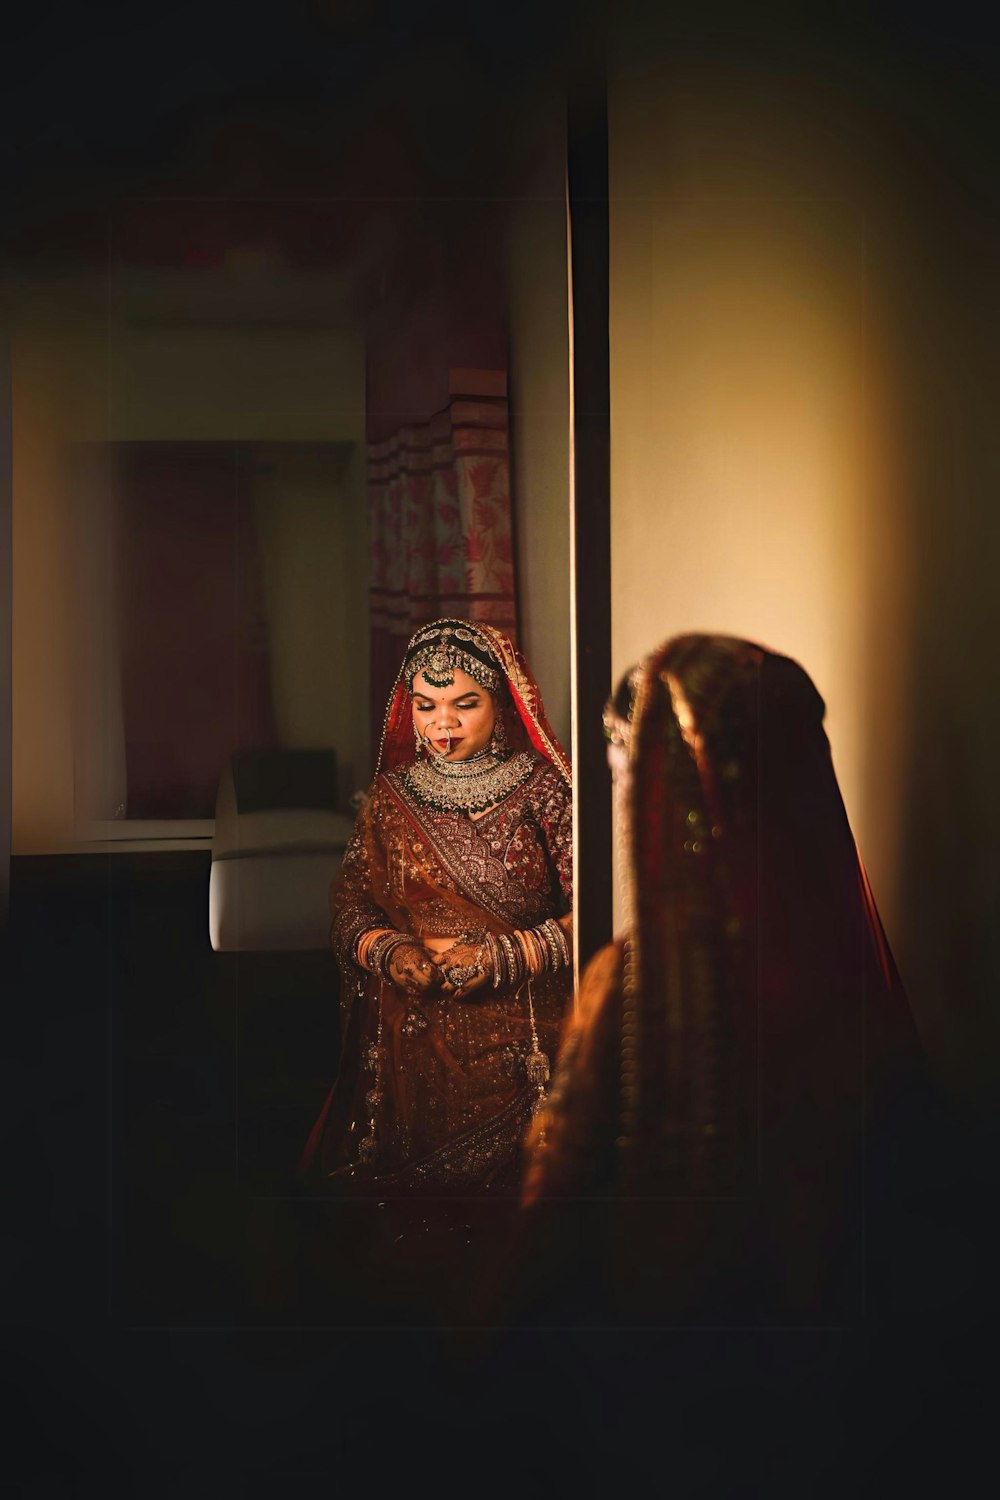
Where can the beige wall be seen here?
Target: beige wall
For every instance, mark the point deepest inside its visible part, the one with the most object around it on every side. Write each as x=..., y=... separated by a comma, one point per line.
x=59, y=397
x=804, y=444
x=539, y=404
x=753, y=485
x=83, y=376
x=261, y=384
x=309, y=504
x=755, y=473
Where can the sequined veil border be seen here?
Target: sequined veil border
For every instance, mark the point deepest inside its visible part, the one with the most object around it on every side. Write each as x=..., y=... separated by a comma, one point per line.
x=466, y=1159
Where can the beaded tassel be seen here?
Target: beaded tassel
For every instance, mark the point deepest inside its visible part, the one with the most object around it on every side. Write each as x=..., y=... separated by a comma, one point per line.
x=536, y=1064
x=374, y=1057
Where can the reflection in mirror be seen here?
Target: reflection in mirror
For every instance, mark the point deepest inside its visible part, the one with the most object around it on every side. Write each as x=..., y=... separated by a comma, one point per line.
x=215, y=346
x=226, y=563
x=145, y=396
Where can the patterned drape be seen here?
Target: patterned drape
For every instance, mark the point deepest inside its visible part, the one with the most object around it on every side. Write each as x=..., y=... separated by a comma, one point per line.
x=441, y=538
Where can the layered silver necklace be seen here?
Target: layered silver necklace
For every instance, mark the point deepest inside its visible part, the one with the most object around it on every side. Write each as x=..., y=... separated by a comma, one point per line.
x=468, y=786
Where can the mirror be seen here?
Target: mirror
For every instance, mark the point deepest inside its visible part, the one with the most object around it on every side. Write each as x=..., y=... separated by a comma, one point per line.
x=224, y=319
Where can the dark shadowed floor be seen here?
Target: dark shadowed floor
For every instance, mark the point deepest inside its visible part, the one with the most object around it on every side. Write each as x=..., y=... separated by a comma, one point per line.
x=180, y=1321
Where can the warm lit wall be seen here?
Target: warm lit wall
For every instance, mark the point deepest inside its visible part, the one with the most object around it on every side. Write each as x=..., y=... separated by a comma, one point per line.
x=82, y=376
x=752, y=471
x=748, y=478
x=539, y=407
x=59, y=397
x=801, y=440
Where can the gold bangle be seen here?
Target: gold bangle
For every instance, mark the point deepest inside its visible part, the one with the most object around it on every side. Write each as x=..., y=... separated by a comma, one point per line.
x=365, y=943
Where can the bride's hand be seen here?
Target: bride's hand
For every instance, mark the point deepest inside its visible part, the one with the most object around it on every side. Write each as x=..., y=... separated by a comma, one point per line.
x=413, y=969
x=464, y=969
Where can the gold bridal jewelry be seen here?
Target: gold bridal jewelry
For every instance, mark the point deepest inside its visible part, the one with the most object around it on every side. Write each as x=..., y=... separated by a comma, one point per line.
x=373, y=1060
x=536, y=1064
x=431, y=745
x=438, y=652
x=468, y=786
x=459, y=974
x=497, y=747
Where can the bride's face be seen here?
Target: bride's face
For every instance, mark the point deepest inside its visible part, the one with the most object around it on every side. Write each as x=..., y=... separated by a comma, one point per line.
x=464, y=712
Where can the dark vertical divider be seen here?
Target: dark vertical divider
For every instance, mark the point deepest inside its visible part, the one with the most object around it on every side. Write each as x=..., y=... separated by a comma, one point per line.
x=587, y=189
x=6, y=604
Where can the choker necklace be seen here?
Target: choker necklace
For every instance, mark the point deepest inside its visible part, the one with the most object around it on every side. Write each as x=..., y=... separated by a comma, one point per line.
x=468, y=786
x=461, y=770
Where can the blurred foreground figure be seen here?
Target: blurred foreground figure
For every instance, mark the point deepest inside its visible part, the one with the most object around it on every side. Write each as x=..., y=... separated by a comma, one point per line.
x=738, y=1062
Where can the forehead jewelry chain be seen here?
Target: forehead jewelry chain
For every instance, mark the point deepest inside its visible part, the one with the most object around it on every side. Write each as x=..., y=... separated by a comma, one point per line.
x=440, y=670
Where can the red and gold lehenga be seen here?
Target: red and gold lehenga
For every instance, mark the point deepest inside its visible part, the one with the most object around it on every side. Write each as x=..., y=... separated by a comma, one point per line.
x=728, y=1074
x=432, y=1094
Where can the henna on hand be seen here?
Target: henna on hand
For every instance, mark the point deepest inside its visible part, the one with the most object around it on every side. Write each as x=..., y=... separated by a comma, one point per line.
x=413, y=969
x=465, y=956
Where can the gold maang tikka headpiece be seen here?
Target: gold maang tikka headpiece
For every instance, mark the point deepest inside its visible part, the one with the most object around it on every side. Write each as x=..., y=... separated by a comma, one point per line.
x=439, y=650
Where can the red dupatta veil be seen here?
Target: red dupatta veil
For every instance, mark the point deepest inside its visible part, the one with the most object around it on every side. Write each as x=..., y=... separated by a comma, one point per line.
x=756, y=934
x=737, y=1056
x=524, y=718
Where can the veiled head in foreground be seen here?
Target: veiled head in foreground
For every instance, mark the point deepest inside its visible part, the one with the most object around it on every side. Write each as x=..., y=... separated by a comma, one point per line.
x=727, y=1048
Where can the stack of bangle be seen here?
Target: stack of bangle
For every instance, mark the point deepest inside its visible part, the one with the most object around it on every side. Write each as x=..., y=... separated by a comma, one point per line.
x=363, y=944
x=527, y=953
x=556, y=942
x=505, y=960
x=374, y=950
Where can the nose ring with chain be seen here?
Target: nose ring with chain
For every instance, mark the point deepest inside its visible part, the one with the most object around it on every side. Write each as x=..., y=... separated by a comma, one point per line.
x=431, y=746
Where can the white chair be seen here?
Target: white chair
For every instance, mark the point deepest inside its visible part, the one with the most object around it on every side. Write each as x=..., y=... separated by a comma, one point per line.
x=278, y=843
